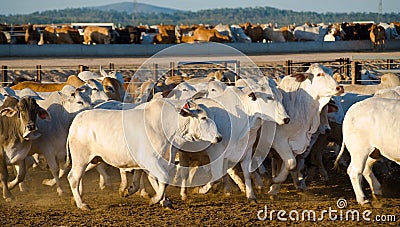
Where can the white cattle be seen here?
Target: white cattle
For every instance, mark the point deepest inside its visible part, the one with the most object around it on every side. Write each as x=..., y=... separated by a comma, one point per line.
x=388, y=80
x=304, y=96
x=391, y=93
x=246, y=109
x=63, y=107
x=367, y=142
x=310, y=33
x=273, y=34
x=390, y=31
x=143, y=142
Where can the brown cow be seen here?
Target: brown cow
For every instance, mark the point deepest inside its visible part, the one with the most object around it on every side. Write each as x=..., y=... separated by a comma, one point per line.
x=32, y=35
x=255, y=32
x=49, y=87
x=3, y=38
x=97, y=35
x=64, y=35
x=113, y=88
x=377, y=35
x=166, y=35
x=203, y=34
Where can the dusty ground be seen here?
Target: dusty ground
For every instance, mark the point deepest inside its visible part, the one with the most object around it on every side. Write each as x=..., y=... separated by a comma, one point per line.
x=42, y=206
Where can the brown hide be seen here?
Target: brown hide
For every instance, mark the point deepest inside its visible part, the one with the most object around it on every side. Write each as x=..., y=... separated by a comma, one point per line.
x=48, y=87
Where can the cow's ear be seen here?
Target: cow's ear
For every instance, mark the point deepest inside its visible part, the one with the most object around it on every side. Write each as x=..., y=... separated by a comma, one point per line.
x=252, y=95
x=8, y=112
x=186, y=113
x=44, y=115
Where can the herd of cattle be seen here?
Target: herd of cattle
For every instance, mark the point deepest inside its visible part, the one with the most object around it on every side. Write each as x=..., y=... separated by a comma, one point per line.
x=93, y=120
x=169, y=34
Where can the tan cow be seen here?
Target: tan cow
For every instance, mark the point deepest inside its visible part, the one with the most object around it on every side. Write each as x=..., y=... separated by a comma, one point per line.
x=97, y=35
x=64, y=35
x=113, y=88
x=49, y=87
x=203, y=34
x=377, y=35
x=166, y=35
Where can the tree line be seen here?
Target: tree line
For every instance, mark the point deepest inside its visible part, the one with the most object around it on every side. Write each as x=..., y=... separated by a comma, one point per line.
x=213, y=16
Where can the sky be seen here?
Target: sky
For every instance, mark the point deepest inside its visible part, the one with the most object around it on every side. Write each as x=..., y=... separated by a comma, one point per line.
x=388, y=6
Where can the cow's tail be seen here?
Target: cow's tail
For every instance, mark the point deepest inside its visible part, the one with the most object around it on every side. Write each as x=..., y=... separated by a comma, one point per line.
x=68, y=161
x=336, y=164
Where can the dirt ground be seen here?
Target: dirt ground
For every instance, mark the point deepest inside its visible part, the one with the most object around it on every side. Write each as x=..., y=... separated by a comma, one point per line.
x=41, y=206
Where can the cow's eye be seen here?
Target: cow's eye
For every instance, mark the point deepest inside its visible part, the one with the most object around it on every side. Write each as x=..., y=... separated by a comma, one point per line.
x=95, y=89
x=203, y=118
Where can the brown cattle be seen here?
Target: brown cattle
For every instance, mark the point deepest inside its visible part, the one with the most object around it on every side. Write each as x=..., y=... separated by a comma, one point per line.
x=377, y=35
x=255, y=32
x=97, y=35
x=166, y=35
x=113, y=88
x=32, y=35
x=49, y=87
x=3, y=38
x=64, y=35
x=203, y=34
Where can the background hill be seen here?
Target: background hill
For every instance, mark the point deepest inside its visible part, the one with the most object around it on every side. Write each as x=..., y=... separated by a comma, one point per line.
x=139, y=7
x=121, y=14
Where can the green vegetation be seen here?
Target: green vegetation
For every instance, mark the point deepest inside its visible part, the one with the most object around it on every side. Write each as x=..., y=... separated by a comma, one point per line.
x=214, y=16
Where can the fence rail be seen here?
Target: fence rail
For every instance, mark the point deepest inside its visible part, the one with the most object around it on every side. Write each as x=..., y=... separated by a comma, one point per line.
x=346, y=66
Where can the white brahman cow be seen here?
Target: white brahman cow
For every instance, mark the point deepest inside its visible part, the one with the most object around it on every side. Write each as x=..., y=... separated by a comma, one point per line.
x=63, y=107
x=370, y=131
x=144, y=141
x=247, y=110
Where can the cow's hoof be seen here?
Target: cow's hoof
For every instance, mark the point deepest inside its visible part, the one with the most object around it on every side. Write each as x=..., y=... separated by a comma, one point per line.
x=273, y=197
x=252, y=201
x=227, y=194
x=184, y=197
x=60, y=192
x=166, y=204
x=85, y=207
x=8, y=199
x=49, y=182
x=376, y=204
x=365, y=203
x=72, y=200
x=144, y=194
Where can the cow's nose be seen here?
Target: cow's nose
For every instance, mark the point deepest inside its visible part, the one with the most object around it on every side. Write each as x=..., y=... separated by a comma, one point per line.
x=286, y=120
x=327, y=131
x=219, y=139
x=340, y=89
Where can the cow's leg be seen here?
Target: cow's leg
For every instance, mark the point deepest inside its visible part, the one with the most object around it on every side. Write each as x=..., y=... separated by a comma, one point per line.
x=21, y=171
x=258, y=183
x=184, y=171
x=136, y=182
x=370, y=177
x=123, y=186
x=245, y=164
x=289, y=162
x=104, y=178
x=297, y=175
x=236, y=178
x=4, y=178
x=354, y=171
x=75, y=181
x=277, y=164
x=217, y=168
x=52, y=162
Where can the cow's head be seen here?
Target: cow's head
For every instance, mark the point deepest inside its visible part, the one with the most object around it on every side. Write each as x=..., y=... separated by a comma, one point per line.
x=197, y=126
x=94, y=90
x=74, y=100
x=24, y=111
x=264, y=101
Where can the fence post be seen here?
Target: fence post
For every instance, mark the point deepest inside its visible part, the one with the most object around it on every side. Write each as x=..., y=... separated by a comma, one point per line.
x=171, y=68
x=111, y=66
x=4, y=76
x=288, y=67
x=389, y=63
x=355, y=72
x=38, y=73
x=347, y=67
